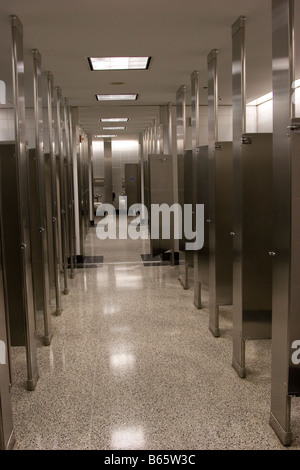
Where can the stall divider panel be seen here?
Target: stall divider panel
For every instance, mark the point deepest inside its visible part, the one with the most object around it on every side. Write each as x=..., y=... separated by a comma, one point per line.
x=252, y=230
x=63, y=212
x=54, y=198
x=220, y=195
x=41, y=249
x=285, y=372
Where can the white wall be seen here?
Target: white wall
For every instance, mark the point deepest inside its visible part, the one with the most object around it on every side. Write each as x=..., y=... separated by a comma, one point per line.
x=265, y=117
x=123, y=151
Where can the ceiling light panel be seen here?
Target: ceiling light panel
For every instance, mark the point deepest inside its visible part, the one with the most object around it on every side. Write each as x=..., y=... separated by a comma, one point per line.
x=105, y=136
x=114, y=119
x=128, y=97
x=114, y=128
x=119, y=63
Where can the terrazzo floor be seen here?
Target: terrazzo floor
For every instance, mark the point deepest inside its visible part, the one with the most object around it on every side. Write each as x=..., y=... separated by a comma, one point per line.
x=132, y=365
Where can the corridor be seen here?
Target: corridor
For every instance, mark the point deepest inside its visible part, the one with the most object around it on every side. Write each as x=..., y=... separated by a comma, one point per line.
x=132, y=365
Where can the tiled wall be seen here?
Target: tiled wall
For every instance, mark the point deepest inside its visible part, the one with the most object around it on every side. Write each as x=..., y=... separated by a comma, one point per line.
x=7, y=124
x=123, y=151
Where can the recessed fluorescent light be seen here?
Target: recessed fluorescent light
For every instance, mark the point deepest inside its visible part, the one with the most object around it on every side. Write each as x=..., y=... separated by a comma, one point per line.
x=105, y=136
x=128, y=97
x=114, y=128
x=114, y=119
x=261, y=99
x=119, y=63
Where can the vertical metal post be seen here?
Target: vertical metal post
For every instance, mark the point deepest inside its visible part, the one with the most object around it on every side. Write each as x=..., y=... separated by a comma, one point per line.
x=181, y=119
x=213, y=99
x=195, y=102
x=7, y=437
x=173, y=151
x=155, y=136
x=170, y=129
x=239, y=127
x=54, y=194
x=75, y=179
x=181, y=146
x=22, y=182
x=40, y=178
x=69, y=189
x=62, y=189
x=90, y=180
x=72, y=196
x=285, y=376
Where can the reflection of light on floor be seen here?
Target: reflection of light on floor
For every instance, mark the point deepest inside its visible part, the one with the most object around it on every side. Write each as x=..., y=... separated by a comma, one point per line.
x=120, y=329
x=110, y=309
x=102, y=278
x=127, y=279
x=128, y=438
x=122, y=361
x=84, y=282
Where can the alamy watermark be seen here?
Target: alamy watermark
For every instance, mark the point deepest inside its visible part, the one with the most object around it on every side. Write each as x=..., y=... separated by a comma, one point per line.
x=2, y=353
x=296, y=354
x=165, y=222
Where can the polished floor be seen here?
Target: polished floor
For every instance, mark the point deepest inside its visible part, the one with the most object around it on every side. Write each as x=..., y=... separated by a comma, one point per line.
x=132, y=365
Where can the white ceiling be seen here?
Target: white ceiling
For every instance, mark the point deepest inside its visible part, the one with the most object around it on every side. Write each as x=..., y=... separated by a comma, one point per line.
x=177, y=34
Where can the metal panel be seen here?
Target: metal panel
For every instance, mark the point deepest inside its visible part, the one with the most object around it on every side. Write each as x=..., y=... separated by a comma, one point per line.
x=49, y=222
x=201, y=261
x=132, y=183
x=53, y=198
x=252, y=241
x=188, y=199
x=7, y=437
x=220, y=226
x=69, y=186
x=220, y=218
x=286, y=289
x=23, y=247
x=161, y=192
x=37, y=193
x=62, y=190
x=72, y=195
x=108, y=172
x=181, y=147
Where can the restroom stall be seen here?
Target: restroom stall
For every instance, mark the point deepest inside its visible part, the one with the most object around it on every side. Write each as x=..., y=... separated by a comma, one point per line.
x=220, y=202
x=253, y=213
x=185, y=187
x=161, y=192
x=37, y=200
x=285, y=373
x=16, y=221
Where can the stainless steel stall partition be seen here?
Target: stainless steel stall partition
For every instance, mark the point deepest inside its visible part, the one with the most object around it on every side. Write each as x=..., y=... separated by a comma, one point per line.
x=69, y=186
x=54, y=199
x=108, y=171
x=38, y=208
x=15, y=207
x=181, y=147
x=252, y=229
x=83, y=192
x=72, y=194
x=62, y=190
x=7, y=437
x=132, y=183
x=201, y=257
x=200, y=189
x=220, y=205
x=285, y=377
x=161, y=192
